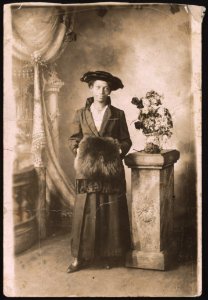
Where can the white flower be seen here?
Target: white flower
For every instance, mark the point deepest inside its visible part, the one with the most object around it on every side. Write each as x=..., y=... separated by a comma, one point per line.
x=146, y=102
x=161, y=110
x=145, y=110
x=153, y=101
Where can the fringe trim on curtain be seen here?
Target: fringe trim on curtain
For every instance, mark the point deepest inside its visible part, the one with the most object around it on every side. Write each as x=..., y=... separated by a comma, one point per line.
x=38, y=49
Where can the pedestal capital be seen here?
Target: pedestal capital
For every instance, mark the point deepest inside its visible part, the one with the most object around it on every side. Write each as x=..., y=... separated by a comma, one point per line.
x=143, y=160
x=54, y=84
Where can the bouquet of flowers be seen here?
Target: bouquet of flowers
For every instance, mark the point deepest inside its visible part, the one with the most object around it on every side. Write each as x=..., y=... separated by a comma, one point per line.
x=154, y=120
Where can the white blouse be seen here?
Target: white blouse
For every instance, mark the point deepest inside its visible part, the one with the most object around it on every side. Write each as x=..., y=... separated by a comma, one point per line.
x=97, y=115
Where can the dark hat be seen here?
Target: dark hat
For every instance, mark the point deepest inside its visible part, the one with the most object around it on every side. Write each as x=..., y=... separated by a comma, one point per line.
x=115, y=82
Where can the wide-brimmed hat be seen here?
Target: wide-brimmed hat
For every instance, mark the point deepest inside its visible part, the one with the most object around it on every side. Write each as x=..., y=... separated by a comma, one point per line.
x=115, y=82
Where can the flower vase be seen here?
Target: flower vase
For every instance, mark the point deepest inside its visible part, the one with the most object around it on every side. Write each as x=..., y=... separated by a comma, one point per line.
x=153, y=144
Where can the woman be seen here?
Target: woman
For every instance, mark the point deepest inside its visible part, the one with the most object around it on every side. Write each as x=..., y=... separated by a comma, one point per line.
x=100, y=140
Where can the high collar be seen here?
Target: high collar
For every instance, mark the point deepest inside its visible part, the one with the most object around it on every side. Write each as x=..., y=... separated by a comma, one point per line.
x=90, y=100
x=90, y=120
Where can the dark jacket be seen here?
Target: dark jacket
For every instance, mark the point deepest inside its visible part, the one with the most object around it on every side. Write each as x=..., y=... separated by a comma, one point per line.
x=114, y=125
x=112, y=219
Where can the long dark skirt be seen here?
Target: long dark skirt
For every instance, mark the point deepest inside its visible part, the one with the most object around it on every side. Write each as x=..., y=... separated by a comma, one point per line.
x=105, y=230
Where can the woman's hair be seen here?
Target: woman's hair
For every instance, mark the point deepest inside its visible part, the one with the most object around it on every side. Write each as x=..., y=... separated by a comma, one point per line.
x=91, y=83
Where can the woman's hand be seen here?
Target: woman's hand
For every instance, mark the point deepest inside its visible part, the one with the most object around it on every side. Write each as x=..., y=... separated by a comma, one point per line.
x=117, y=143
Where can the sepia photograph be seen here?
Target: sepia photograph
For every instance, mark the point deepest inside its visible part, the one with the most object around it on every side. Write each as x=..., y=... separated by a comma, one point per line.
x=102, y=150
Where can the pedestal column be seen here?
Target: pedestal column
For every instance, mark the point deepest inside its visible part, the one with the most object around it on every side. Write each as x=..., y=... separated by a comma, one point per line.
x=52, y=89
x=152, y=208
x=53, y=85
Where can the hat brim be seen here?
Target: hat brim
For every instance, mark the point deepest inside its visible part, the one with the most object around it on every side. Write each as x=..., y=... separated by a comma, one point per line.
x=115, y=82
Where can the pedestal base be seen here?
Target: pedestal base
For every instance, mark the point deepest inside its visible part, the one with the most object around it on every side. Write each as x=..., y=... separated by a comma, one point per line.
x=147, y=260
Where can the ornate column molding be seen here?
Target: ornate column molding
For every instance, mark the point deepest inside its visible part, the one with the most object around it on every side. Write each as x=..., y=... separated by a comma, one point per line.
x=53, y=84
x=52, y=88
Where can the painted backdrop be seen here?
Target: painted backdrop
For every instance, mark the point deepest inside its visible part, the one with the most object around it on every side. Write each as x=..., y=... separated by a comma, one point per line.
x=148, y=48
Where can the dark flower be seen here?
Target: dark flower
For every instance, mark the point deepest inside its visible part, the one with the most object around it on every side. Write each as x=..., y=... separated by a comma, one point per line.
x=150, y=94
x=152, y=148
x=137, y=102
x=138, y=125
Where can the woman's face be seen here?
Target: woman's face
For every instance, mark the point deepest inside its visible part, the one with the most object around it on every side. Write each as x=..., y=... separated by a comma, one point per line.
x=100, y=90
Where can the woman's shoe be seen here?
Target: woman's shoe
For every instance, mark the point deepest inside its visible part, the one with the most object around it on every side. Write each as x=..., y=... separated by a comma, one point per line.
x=72, y=268
x=75, y=266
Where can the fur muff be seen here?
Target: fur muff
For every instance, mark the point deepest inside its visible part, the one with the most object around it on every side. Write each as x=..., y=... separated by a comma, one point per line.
x=99, y=159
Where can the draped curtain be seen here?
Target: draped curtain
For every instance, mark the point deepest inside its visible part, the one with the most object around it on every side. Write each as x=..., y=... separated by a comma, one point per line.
x=40, y=35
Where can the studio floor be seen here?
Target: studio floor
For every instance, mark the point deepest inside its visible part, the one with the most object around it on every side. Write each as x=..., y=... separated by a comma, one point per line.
x=41, y=272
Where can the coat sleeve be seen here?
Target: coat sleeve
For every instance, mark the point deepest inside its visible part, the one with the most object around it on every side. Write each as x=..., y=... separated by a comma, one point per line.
x=76, y=133
x=124, y=137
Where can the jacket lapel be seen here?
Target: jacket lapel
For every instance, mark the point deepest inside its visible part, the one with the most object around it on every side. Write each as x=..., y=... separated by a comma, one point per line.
x=89, y=118
x=106, y=118
x=90, y=122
